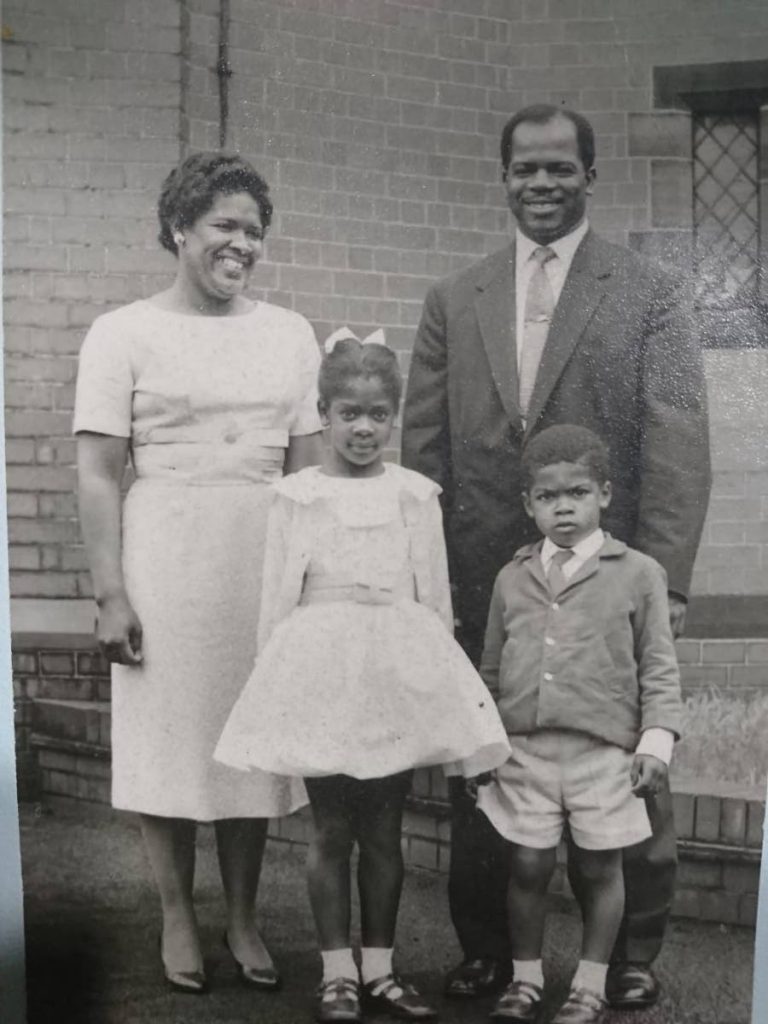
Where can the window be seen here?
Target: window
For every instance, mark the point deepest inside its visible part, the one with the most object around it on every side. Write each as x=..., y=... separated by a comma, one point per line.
x=730, y=258
x=726, y=217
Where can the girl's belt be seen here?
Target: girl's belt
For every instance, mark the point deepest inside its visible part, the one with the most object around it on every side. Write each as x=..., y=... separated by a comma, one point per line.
x=360, y=593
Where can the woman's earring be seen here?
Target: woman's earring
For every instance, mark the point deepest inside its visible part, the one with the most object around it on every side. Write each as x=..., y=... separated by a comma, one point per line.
x=178, y=239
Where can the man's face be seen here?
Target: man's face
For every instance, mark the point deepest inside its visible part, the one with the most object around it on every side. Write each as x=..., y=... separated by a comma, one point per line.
x=547, y=184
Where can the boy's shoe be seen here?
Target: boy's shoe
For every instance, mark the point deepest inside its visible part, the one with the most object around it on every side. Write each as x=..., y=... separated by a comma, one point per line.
x=581, y=1007
x=520, y=1003
x=338, y=1000
x=396, y=998
x=631, y=986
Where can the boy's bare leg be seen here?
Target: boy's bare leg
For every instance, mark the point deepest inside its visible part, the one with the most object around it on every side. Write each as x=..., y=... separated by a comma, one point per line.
x=530, y=874
x=602, y=906
x=602, y=901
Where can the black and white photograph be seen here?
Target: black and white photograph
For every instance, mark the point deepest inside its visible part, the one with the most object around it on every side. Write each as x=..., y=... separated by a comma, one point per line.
x=386, y=465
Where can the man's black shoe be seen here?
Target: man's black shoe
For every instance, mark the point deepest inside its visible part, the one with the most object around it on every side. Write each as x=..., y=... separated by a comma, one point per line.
x=473, y=978
x=631, y=987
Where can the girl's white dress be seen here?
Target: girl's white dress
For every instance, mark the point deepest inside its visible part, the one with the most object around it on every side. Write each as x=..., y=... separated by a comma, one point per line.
x=358, y=672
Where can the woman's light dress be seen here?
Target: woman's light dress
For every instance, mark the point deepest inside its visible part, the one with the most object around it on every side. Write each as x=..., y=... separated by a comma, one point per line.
x=358, y=672
x=209, y=404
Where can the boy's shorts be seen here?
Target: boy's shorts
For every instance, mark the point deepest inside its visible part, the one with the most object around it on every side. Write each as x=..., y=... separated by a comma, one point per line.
x=554, y=776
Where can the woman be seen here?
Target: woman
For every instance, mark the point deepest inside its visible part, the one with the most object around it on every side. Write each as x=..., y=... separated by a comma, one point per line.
x=214, y=396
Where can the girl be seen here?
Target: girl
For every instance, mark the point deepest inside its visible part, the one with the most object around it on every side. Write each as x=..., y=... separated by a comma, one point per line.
x=359, y=678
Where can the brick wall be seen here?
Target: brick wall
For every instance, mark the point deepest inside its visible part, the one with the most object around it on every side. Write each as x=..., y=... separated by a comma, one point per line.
x=377, y=124
x=737, y=667
x=91, y=122
x=733, y=558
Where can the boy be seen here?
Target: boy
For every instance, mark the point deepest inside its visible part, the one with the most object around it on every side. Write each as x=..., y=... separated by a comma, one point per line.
x=580, y=658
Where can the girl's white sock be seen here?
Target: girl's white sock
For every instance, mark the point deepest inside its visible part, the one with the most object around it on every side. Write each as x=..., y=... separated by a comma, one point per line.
x=376, y=962
x=590, y=975
x=338, y=963
x=528, y=970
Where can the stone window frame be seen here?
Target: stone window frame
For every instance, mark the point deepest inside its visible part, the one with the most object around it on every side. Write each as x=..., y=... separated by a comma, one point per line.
x=664, y=136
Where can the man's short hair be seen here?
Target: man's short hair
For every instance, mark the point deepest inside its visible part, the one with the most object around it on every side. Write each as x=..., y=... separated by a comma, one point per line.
x=566, y=442
x=543, y=113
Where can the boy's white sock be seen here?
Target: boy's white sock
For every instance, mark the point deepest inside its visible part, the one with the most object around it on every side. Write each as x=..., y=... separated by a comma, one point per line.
x=338, y=963
x=528, y=970
x=375, y=962
x=590, y=975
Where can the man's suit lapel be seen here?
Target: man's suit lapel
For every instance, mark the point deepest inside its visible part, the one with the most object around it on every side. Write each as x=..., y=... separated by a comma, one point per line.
x=495, y=308
x=587, y=282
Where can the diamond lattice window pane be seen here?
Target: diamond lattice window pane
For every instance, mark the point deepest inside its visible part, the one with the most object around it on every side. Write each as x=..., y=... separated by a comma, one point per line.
x=725, y=207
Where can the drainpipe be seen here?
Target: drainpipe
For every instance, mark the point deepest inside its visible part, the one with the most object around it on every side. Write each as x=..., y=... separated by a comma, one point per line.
x=223, y=71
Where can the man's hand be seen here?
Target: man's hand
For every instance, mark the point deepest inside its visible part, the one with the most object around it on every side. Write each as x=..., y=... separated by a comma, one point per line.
x=647, y=775
x=677, y=611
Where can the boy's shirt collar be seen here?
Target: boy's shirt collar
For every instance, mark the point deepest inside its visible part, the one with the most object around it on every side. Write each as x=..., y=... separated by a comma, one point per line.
x=580, y=552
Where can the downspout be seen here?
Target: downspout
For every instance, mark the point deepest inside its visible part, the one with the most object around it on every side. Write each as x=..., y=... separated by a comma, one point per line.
x=223, y=71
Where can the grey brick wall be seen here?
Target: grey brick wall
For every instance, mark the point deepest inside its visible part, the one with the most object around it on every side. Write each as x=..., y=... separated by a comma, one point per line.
x=377, y=124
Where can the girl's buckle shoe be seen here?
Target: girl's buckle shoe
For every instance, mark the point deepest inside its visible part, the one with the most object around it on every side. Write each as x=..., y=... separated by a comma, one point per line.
x=338, y=1000
x=391, y=995
x=266, y=979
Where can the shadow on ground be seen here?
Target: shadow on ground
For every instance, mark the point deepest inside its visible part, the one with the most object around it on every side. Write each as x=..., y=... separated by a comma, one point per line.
x=92, y=936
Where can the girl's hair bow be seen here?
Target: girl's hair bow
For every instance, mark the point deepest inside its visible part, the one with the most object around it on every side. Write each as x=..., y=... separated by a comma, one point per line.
x=345, y=334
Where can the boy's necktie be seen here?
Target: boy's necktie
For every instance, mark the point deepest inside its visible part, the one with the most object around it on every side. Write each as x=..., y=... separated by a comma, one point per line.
x=556, y=576
x=539, y=307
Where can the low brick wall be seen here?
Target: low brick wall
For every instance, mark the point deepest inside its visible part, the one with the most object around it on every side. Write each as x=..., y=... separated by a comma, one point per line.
x=739, y=665
x=62, y=692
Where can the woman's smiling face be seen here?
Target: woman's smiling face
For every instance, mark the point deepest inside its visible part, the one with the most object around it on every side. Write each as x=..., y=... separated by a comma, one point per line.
x=220, y=249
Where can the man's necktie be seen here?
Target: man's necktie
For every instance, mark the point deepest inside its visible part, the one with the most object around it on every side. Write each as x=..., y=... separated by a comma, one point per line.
x=556, y=577
x=539, y=307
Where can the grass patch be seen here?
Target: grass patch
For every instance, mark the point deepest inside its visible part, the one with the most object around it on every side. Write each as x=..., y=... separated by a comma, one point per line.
x=723, y=737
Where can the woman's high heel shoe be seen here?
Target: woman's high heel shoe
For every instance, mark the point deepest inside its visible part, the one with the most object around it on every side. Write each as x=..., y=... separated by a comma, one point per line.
x=267, y=979
x=193, y=983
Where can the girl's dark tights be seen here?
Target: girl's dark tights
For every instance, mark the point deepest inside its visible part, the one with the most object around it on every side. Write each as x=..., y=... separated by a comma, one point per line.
x=368, y=812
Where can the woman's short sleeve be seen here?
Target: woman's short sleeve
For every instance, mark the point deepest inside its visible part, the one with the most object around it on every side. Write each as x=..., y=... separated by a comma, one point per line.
x=104, y=394
x=307, y=418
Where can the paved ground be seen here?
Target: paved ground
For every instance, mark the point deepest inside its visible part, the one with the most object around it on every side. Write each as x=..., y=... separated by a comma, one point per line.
x=92, y=926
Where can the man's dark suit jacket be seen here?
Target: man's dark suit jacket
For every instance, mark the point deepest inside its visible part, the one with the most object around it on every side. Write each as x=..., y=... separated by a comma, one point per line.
x=620, y=358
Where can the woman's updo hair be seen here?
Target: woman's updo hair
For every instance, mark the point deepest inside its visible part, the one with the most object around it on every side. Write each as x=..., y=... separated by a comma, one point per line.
x=190, y=191
x=349, y=360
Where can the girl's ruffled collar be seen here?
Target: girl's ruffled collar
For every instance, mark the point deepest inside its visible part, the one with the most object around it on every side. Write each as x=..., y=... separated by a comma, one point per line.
x=310, y=485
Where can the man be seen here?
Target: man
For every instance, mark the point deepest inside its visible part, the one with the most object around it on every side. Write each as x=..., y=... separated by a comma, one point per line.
x=560, y=327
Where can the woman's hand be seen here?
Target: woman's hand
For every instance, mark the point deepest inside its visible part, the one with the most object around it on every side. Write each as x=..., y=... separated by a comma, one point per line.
x=100, y=464
x=118, y=630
